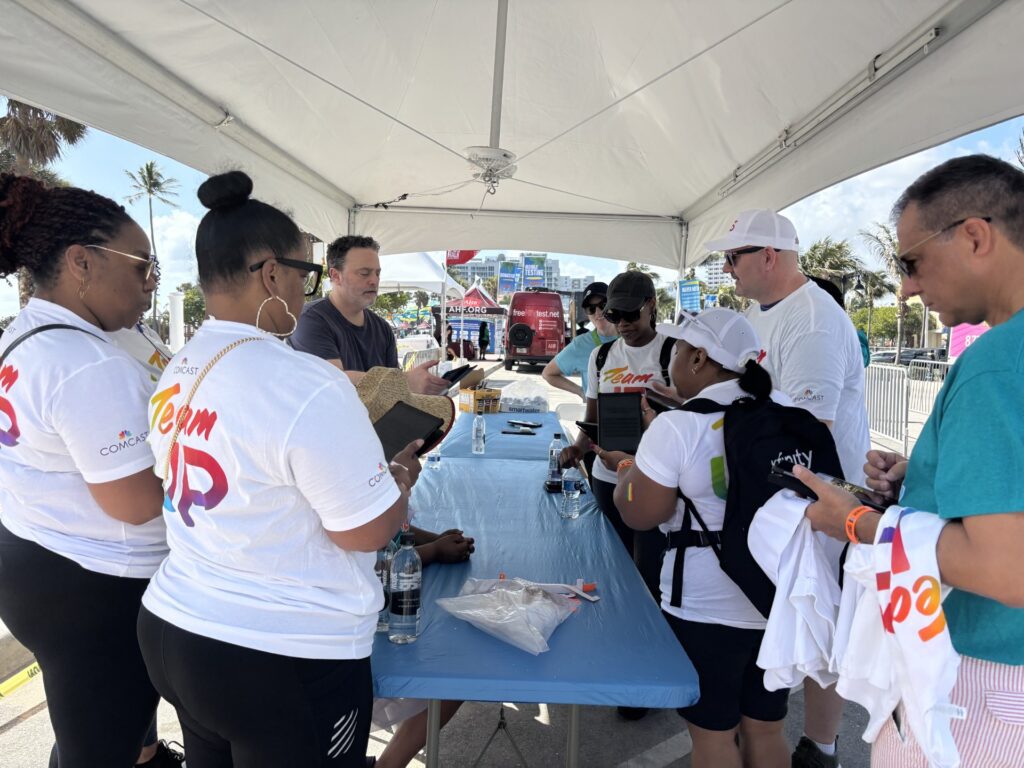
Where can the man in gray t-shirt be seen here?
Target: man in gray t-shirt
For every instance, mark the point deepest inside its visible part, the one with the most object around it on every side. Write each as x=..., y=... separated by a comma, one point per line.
x=344, y=331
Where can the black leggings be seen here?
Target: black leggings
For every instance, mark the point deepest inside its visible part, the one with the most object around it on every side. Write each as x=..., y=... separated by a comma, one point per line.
x=647, y=548
x=80, y=625
x=242, y=707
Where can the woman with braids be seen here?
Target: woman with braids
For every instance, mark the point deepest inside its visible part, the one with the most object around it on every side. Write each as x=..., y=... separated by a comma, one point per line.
x=715, y=622
x=80, y=527
x=259, y=624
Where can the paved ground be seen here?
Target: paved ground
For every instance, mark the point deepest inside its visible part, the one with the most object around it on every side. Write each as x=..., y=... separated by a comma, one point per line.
x=657, y=741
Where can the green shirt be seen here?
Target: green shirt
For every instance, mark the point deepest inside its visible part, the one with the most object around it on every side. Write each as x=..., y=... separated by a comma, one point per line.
x=969, y=460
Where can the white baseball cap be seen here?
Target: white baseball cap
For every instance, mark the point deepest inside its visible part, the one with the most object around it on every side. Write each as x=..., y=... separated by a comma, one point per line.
x=758, y=227
x=726, y=335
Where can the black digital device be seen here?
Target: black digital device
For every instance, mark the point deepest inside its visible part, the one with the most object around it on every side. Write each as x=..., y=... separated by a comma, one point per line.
x=786, y=479
x=402, y=424
x=589, y=428
x=660, y=403
x=457, y=374
x=520, y=431
x=619, y=421
x=520, y=423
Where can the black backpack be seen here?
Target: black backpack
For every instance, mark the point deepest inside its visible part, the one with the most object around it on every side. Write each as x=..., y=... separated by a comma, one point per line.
x=664, y=358
x=759, y=434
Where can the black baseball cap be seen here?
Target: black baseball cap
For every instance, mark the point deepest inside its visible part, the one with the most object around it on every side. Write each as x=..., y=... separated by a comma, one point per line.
x=629, y=290
x=594, y=289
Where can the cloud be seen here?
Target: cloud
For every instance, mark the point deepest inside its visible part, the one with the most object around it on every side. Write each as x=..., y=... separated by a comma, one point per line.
x=175, y=245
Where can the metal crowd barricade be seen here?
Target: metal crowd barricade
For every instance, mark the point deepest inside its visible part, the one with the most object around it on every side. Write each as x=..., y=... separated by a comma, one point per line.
x=925, y=379
x=887, y=396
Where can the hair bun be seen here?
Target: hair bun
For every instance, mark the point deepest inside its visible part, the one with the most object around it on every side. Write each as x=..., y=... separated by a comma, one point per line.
x=19, y=198
x=225, y=190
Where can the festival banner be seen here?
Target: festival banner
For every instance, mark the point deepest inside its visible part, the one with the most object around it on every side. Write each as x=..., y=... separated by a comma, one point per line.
x=533, y=271
x=962, y=336
x=459, y=257
x=509, y=275
x=689, y=295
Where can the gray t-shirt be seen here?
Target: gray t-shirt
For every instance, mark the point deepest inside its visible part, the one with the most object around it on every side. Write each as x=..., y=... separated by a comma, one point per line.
x=323, y=331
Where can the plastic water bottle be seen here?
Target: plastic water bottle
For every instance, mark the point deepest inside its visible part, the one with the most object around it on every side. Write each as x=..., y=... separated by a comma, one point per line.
x=554, y=454
x=434, y=458
x=383, y=571
x=479, y=434
x=572, y=483
x=406, y=581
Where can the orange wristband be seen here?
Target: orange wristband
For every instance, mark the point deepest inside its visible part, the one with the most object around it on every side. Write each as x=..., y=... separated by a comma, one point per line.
x=851, y=523
x=623, y=463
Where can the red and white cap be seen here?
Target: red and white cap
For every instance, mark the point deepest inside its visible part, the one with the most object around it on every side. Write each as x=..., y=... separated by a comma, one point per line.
x=758, y=227
x=726, y=335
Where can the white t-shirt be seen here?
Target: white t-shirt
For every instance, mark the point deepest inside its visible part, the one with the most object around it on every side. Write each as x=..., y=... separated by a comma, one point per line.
x=142, y=343
x=72, y=412
x=277, y=447
x=626, y=369
x=811, y=350
x=686, y=450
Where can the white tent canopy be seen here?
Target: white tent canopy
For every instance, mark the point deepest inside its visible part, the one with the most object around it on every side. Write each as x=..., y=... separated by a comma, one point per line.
x=641, y=128
x=416, y=272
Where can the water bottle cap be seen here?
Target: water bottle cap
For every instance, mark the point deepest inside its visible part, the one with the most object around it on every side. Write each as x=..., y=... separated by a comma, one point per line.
x=407, y=537
x=558, y=435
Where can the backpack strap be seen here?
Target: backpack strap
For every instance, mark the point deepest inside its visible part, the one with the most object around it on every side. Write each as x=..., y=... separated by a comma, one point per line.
x=702, y=405
x=666, y=358
x=602, y=355
x=685, y=537
x=49, y=327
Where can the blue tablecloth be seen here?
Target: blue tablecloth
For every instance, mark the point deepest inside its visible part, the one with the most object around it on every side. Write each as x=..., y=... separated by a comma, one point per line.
x=618, y=651
x=458, y=443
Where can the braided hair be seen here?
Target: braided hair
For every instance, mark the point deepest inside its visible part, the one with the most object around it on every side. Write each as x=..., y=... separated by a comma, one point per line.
x=37, y=224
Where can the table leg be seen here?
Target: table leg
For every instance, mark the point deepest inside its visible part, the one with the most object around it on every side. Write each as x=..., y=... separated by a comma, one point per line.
x=433, y=732
x=572, y=750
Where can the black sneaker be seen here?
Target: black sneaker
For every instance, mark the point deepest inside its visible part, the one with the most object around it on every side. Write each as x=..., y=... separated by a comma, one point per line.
x=633, y=713
x=166, y=756
x=808, y=755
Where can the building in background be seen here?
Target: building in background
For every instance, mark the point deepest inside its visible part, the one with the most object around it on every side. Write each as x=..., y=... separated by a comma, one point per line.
x=489, y=266
x=714, y=277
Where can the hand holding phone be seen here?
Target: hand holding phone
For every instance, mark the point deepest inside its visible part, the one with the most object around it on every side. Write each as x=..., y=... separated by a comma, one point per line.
x=865, y=496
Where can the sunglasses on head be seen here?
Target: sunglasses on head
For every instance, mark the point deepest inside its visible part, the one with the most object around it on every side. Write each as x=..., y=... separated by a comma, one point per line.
x=592, y=308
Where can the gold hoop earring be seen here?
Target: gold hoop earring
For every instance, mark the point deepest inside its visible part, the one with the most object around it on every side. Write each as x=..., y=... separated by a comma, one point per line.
x=83, y=289
x=295, y=320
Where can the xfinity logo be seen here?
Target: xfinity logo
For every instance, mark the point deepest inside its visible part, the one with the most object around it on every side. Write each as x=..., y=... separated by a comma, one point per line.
x=125, y=440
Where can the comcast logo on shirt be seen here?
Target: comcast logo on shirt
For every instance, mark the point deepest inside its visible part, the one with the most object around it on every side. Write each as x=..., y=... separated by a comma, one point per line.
x=375, y=480
x=184, y=367
x=125, y=439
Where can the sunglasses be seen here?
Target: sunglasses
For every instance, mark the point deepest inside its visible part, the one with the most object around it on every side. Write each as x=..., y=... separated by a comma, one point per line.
x=592, y=308
x=315, y=272
x=908, y=267
x=616, y=316
x=731, y=256
x=149, y=261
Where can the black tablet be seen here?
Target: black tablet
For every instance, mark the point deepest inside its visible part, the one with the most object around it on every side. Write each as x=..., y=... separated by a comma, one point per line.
x=619, y=422
x=660, y=403
x=403, y=424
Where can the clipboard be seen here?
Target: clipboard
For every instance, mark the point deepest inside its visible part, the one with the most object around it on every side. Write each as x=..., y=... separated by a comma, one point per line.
x=619, y=421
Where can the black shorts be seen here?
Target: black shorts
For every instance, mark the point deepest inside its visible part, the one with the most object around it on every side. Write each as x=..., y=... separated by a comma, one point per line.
x=242, y=707
x=731, y=683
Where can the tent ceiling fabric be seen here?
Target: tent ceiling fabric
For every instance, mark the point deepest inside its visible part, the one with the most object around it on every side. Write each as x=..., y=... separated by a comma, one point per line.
x=306, y=96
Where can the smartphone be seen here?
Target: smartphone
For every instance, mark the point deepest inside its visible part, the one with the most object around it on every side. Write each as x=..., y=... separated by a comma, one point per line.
x=589, y=428
x=660, y=403
x=865, y=496
x=520, y=431
x=457, y=374
x=518, y=423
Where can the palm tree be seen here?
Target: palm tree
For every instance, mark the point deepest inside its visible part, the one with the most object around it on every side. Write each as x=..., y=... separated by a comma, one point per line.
x=727, y=298
x=635, y=266
x=883, y=243
x=149, y=182
x=31, y=139
x=830, y=259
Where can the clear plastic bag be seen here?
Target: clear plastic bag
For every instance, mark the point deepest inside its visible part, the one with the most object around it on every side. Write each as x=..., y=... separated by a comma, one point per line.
x=513, y=610
x=524, y=396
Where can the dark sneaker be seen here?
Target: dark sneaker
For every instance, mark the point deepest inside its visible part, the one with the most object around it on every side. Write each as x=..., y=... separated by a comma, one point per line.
x=166, y=756
x=633, y=713
x=807, y=755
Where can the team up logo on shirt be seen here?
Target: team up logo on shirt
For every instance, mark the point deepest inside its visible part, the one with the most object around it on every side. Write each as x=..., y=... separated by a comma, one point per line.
x=189, y=466
x=622, y=380
x=125, y=439
x=8, y=435
x=925, y=598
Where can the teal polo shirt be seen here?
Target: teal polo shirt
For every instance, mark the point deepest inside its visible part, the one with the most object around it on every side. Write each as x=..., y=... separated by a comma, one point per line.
x=969, y=460
x=575, y=357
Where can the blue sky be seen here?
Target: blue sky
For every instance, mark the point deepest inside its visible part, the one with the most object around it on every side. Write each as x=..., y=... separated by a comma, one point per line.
x=841, y=211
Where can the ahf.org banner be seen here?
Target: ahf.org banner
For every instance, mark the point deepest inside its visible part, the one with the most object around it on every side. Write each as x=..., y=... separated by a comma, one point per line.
x=689, y=295
x=533, y=271
x=509, y=274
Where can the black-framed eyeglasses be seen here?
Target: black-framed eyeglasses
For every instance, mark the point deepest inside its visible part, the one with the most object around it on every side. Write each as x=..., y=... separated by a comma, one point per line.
x=731, y=256
x=150, y=261
x=315, y=272
x=908, y=267
x=597, y=305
